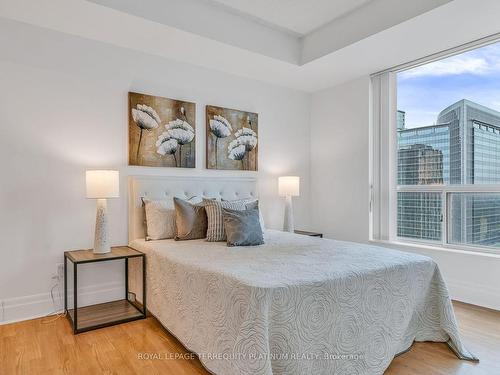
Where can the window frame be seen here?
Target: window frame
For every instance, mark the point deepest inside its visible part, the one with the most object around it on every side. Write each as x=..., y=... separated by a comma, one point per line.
x=383, y=180
x=446, y=191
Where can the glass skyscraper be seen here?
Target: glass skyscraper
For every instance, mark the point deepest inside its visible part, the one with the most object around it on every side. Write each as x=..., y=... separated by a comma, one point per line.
x=401, y=119
x=434, y=139
x=462, y=148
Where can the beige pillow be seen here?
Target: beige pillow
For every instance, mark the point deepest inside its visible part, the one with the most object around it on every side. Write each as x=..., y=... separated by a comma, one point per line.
x=191, y=220
x=160, y=219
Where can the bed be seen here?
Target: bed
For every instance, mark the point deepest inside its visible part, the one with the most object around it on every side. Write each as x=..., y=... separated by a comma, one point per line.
x=296, y=305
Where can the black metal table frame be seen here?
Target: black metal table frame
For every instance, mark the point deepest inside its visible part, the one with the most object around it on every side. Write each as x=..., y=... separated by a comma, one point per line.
x=309, y=233
x=74, y=323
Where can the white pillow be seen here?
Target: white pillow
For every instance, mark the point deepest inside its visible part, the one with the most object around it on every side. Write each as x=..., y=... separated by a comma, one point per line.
x=160, y=219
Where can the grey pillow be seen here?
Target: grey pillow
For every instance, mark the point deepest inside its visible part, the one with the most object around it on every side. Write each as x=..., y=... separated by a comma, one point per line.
x=215, y=231
x=247, y=202
x=243, y=227
x=190, y=220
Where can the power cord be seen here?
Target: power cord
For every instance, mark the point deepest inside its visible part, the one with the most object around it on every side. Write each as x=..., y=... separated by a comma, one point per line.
x=55, y=314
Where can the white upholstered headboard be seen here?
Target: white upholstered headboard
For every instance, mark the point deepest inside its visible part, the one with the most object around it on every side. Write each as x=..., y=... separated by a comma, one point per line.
x=159, y=187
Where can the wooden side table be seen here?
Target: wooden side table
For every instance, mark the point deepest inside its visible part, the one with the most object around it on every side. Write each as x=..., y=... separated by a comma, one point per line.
x=109, y=313
x=307, y=233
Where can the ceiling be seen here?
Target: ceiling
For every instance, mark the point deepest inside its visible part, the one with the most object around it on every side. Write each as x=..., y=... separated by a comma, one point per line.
x=298, y=16
x=366, y=40
x=294, y=31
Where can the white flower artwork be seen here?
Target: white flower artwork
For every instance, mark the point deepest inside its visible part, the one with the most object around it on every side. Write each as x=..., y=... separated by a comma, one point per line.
x=232, y=138
x=236, y=151
x=169, y=145
x=220, y=128
x=146, y=118
x=166, y=145
x=247, y=137
x=181, y=132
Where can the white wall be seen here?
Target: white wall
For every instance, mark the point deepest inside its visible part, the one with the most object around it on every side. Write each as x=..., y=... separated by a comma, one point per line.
x=339, y=161
x=340, y=190
x=63, y=108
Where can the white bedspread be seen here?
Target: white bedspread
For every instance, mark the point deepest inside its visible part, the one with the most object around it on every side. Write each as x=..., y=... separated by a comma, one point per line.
x=298, y=304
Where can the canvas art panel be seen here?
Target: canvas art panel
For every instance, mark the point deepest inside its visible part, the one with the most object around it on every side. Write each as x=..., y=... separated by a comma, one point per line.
x=232, y=139
x=162, y=131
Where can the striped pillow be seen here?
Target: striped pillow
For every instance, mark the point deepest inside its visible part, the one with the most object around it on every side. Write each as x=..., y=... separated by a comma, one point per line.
x=215, y=231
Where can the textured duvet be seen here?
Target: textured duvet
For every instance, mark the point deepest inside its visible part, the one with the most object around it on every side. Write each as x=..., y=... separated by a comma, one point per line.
x=297, y=305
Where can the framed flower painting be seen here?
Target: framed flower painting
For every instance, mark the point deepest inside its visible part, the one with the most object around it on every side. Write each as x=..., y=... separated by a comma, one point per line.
x=232, y=139
x=162, y=131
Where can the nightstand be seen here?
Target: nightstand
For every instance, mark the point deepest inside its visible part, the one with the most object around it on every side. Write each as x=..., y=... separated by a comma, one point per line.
x=105, y=314
x=307, y=233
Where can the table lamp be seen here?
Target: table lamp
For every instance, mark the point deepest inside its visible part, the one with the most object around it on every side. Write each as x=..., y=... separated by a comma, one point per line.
x=289, y=186
x=102, y=184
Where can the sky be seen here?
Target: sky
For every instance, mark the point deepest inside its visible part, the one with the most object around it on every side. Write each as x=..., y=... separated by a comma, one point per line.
x=426, y=90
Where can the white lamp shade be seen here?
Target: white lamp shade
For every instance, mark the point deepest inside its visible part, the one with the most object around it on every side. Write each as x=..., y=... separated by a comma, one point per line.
x=289, y=186
x=102, y=184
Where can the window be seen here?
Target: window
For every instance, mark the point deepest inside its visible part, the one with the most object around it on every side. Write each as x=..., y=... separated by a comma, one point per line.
x=436, y=152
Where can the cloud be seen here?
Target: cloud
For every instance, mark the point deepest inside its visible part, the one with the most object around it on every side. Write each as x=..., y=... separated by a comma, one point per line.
x=443, y=84
x=451, y=66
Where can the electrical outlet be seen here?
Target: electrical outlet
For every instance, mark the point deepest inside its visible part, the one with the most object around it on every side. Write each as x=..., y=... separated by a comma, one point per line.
x=131, y=297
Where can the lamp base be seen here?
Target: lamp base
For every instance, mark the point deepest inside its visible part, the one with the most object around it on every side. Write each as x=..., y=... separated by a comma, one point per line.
x=288, y=221
x=101, y=240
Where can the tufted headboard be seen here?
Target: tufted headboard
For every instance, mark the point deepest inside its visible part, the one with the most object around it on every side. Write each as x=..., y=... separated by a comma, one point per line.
x=156, y=187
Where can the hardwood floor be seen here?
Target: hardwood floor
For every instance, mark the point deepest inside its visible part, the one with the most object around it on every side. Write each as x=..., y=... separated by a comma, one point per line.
x=480, y=329
x=48, y=347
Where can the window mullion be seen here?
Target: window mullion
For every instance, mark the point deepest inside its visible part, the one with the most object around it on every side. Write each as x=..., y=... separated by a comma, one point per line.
x=450, y=188
x=444, y=215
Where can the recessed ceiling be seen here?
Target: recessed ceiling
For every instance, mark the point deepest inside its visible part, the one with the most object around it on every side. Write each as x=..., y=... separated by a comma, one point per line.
x=293, y=31
x=197, y=33
x=298, y=16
